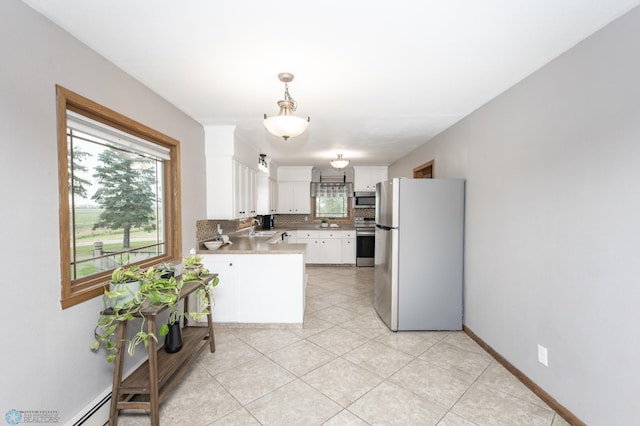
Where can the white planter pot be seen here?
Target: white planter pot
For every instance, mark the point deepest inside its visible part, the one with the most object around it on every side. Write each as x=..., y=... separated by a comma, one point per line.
x=132, y=289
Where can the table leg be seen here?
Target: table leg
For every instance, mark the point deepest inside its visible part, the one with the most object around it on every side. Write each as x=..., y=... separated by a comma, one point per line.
x=154, y=403
x=212, y=338
x=117, y=373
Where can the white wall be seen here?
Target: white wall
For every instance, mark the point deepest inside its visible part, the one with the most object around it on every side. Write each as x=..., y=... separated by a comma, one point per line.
x=46, y=363
x=553, y=222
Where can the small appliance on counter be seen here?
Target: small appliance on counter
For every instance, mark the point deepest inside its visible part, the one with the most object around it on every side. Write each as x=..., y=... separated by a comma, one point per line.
x=267, y=221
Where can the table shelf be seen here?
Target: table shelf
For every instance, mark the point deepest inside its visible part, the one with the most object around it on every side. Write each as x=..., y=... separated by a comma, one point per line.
x=152, y=381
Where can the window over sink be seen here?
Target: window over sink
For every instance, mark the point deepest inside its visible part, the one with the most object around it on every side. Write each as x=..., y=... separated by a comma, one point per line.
x=332, y=200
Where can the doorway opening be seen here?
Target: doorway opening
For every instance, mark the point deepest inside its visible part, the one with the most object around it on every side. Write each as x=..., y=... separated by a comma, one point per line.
x=424, y=171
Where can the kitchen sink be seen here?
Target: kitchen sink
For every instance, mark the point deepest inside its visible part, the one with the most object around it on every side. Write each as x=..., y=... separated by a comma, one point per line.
x=266, y=233
x=259, y=234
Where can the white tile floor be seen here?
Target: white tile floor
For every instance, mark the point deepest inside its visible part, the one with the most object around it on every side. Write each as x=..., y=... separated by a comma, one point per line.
x=344, y=367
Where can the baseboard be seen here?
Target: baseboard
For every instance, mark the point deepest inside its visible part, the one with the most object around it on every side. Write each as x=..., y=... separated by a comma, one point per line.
x=96, y=413
x=548, y=399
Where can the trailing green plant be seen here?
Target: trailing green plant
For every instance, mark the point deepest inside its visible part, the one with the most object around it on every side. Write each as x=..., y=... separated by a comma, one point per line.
x=156, y=291
x=192, y=260
x=192, y=267
x=126, y=275
x=166, y=270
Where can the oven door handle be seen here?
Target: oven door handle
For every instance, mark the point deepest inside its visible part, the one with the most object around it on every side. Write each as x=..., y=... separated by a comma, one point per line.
x=367, y=233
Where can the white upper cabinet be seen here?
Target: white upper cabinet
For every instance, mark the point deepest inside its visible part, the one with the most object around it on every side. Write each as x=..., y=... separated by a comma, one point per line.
x=266, y=194
x=244, y=187
x=231, y=175
x=294, y=197
x=366, y=178
x=294, y=190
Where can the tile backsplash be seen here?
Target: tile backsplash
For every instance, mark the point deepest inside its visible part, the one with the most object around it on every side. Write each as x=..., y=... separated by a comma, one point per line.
x=207, y=229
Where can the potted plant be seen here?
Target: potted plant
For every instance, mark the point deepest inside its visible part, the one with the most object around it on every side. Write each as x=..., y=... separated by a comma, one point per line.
x=192, y=266
x=172, y=332
x=153, y=289
x=325, y=222
x=166, y=270
x=124, y=284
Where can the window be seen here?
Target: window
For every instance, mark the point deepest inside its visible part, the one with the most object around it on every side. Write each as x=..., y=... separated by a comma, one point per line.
x=119, y=195
x=331, y=200
x=332, y=207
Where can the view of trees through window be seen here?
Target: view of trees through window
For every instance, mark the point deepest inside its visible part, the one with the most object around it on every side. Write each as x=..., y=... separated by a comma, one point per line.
x=119, y=196
x=332, y=207
x=115, y=204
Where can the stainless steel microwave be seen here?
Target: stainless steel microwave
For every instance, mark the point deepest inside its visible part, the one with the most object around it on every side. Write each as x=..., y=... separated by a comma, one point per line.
x=364, y=200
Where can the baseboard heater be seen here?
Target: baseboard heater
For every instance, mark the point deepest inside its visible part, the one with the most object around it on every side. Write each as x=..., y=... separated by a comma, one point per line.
x=96, y=415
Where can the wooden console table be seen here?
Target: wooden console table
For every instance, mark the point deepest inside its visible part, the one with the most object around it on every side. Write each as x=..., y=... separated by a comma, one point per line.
x=150, y=383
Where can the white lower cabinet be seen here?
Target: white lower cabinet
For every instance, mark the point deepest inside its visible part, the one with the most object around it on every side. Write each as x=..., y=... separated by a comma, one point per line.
x=349, y=247
x=330, y=250
x=328, y=246
x=225, y=293
x=258, y=288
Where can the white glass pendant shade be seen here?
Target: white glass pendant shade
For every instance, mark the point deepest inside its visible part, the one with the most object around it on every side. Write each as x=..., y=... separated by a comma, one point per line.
x=285, y=124
x=339, y=163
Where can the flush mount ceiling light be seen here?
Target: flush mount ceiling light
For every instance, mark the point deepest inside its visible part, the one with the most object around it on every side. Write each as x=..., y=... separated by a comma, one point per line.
x=339, y=163
x=285, y=124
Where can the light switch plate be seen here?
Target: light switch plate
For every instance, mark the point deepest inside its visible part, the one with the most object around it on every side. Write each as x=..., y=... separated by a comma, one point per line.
x=543, y=356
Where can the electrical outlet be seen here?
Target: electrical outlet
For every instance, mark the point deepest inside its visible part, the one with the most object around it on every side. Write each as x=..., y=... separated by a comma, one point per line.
x=543, y=356
x=306, y=218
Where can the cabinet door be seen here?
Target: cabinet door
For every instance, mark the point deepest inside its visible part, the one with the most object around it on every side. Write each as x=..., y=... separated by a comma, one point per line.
x=250, y=195
x=366, y=178
x=301, y=198
x=285, y=197
x=263, y=194
x=330, y=251
x=316, y=253
x=273, y=196
x=239, y=182
x=220, y=194
x=225, y=294
x=312, y=254
x=349, y=250
x=361, y=179
x=378, y=174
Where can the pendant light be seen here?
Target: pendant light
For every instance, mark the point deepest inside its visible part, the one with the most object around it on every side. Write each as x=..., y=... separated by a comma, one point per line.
x=339, y=163
x=285, y=124
x=262, y=163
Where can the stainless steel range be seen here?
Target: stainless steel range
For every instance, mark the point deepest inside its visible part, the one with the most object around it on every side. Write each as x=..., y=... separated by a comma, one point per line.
x=365, y=240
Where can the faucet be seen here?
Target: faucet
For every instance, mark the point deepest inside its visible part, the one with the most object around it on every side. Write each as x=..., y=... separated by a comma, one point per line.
x=252, y=231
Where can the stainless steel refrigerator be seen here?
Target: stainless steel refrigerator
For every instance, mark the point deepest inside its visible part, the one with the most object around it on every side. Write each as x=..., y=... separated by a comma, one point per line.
x=419, y=253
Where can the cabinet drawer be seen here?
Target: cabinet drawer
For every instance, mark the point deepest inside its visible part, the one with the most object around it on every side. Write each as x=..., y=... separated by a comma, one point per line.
x=309, y=234
x=324, y=234
x=331, y=234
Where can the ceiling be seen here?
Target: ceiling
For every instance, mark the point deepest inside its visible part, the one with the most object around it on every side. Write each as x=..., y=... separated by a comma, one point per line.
x=377, y=77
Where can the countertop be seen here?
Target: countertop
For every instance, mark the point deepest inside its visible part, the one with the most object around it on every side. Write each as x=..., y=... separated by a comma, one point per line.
x=315, y=226
x=254, y=245
x=243, y=244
